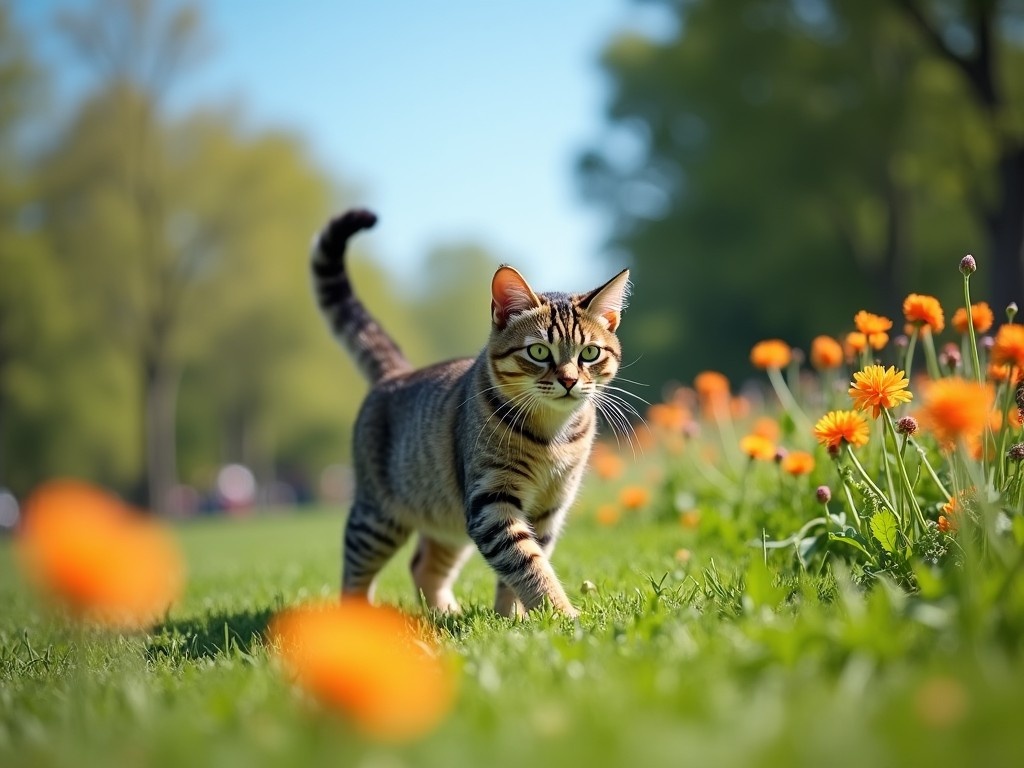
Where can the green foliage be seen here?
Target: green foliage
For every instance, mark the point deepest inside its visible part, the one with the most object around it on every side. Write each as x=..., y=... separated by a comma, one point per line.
x=767, y=149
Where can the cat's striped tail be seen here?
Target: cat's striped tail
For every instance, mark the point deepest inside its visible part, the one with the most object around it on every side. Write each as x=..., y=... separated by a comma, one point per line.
x=376, y=353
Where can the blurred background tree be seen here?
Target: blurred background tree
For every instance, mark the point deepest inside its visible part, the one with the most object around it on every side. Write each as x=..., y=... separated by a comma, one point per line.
x=781, y=164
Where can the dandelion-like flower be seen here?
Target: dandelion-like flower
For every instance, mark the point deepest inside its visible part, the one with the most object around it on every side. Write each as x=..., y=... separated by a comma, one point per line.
x=955, y=409
x=798, y=463
x=981, y=318
x=838, y=427
x=712, y=390
x=773, y=353
x=367, y=663
x=1008, y=347
x=758, y=447
x=924, y=311
x=855, y=343
x=874, y=327
x=826, y=353
x=877, y=387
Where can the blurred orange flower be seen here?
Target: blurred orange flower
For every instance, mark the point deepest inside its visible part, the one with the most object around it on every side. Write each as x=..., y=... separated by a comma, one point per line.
x=856, y=342
x=758, y=447
x=634, y=497
x=981, y=317
x=608, y=514
x=773, y=353
x=838, y=427
x=97, y=556
x=955, y=409
x=766, y=426
x=826, y=353
x=876, y=387
x=921, y=310
x=367, y=663
x=798, y=463
x=874, y=327
x=712, y=390
x=999, y=373
x=1008, y=348
x=606, y=463
x=670, y=417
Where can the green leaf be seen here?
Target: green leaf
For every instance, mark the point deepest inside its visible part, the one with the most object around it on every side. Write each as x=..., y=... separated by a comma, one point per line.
x=854, y=539
x=885, y=527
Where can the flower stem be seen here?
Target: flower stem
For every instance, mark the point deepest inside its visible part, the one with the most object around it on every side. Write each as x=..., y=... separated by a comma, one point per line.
x=867, y=479
x=787, y=400
x=970, y=329
x=891, y=427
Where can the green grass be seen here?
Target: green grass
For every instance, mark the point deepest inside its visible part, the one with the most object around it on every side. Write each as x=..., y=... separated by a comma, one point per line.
x=719, y=661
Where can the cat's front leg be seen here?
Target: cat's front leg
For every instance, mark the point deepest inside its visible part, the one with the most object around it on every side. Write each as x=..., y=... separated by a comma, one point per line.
x=498, y=527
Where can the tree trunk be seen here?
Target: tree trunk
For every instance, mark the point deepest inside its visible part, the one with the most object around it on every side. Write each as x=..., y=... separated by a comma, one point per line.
x=1006, y=231
x=159, y=435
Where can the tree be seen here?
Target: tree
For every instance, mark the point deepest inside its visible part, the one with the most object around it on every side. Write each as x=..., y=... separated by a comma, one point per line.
x=786, y=164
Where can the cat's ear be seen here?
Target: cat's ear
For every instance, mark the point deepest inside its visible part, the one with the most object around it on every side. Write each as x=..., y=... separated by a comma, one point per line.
x=510, y=294
x=608, y=301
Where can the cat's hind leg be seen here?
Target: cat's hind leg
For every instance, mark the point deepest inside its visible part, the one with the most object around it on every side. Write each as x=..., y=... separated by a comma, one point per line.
x=506, y=603
x=435, y=566
x=371, y=539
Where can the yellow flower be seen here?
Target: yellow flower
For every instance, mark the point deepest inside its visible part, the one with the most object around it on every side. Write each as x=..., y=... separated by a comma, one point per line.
x=367, y=663
x=981, y=317
x=826, y=353
x=837, y=427
x=1008, y=348
x=758, y=447
x=876, y=388
x=874, y=327
x=798, y=463
x=773, y=353
x=956, y=409
x=921, y=310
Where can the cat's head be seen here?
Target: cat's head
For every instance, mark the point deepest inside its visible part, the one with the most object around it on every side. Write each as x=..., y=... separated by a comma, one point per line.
x=554, y=350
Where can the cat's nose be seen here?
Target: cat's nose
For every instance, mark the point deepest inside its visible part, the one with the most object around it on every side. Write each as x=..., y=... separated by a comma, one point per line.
x=568, y=382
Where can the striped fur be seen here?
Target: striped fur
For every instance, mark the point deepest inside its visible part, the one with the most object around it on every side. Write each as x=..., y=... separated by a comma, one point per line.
x=483, y=453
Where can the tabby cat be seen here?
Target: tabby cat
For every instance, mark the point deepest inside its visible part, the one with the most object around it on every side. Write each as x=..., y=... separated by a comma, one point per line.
x=486, y=451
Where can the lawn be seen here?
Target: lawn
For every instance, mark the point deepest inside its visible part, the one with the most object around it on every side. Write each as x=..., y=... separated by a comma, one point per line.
x=702, y=657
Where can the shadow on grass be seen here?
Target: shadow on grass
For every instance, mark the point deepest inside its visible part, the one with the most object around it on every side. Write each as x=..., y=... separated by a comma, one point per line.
x=209, y=636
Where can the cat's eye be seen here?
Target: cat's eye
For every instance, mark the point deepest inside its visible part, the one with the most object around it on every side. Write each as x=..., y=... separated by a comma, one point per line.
x=538, y=352
x=590, y=353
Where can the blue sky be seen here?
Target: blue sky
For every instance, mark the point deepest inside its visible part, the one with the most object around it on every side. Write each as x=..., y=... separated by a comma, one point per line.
x=455, y=120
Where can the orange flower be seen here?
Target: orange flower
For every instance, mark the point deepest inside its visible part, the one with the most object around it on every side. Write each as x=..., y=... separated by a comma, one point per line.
x=608, y=514
x=826, y=353
x=367, y=663
x=955, y=409
x=855, y=343
x=798, y=463
x=712, y=390
x=876, y=388
x=758, y=447
x=874, y=327
x=773, y=353
x=634, y=497
x=921, y=310
x=101, y=559
x=981, y=317
x=1008, y=348
x=837, y=427
x=999, y=373
x=670, y=417
x=765, y=426
x=608, y=464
